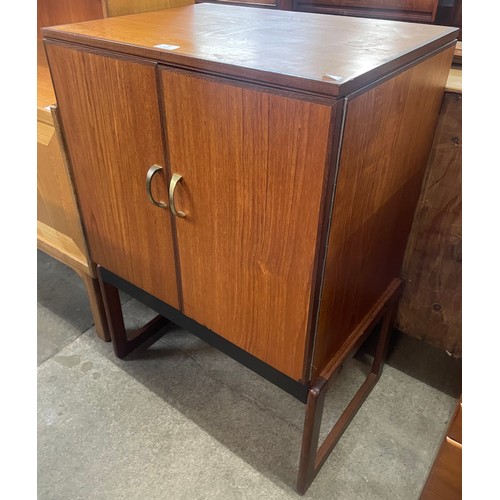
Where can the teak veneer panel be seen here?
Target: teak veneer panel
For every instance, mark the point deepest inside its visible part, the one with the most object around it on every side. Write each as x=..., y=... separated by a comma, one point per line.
x=287, y=49
x=376, y=194
x=253, y=166
x=111, y=121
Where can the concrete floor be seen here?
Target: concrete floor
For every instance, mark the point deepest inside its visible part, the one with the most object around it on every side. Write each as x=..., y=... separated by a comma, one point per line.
x=180, y=420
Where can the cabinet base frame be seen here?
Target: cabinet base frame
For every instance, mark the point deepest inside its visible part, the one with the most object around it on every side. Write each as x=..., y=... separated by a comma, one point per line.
x=124, y=342
x=110, y=283
x=312, y=458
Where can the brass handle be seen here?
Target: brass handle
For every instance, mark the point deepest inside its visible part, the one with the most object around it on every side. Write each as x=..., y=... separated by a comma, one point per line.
x=149, y=178
x=171, y=193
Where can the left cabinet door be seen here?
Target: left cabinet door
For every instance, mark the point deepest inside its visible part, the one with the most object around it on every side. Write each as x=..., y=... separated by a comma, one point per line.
x=111, y=123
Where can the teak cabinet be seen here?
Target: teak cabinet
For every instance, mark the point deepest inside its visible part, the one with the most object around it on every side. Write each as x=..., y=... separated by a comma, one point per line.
x=257, y=193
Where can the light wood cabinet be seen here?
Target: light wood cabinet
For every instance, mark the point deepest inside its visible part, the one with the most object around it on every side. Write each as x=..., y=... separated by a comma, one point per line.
x=260, y=195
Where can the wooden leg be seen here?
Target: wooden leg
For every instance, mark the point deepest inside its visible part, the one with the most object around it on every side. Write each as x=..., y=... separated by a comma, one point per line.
x=96, y=306
x=312, y=458
x=125, y=341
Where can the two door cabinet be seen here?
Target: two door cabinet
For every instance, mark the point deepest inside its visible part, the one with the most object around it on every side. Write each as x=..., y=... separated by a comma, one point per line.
x=252, y=175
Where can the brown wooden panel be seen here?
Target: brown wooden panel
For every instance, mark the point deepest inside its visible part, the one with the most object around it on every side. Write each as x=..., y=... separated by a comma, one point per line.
x=54, y=12
x=124, y=7
x=253, y=165
x=431, y=306
x=56, y=205
x=401, y=10
x=454, y=82
x=111, y=121
x=445, y=479
x=387, y=138
x=455, y=430
x=45, y=91
x=62, y=248
x=249, y=3
x=322, y=54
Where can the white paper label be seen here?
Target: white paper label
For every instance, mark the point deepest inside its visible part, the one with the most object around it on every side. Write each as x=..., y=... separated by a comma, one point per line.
x=165, y=46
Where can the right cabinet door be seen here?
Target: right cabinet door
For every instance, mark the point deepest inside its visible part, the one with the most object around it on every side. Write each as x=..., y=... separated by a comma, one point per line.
x=252, y=164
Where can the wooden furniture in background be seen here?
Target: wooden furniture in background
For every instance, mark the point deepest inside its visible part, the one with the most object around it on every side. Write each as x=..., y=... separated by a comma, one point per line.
x=450, y=14
x=54, y=12
x=445, y=478
x=423, y=11
x=113, y=8
x=277, y=229
x=59, y=228
x=431, y=306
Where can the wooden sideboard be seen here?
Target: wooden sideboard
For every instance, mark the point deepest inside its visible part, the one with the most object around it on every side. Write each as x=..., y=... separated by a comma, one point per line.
x=259, y=194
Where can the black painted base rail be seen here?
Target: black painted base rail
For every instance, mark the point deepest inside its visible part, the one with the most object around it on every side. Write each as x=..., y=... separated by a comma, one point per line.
x=292, y=387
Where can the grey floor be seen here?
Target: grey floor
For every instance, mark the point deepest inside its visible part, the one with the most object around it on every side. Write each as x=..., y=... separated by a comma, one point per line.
x=180, y=420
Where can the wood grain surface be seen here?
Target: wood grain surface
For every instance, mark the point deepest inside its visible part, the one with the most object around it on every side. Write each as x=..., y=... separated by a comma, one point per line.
x=113, y=8
x=45, y=91
x=57, y=212
x=376, y=195
x=111, y=121
x=454, y=82
x=444, y=481
x=423, y=11
x=96, y=304
x=329, y=55
x=253, y=166
x=55, y=12
x=252, y=3
x=431, y=306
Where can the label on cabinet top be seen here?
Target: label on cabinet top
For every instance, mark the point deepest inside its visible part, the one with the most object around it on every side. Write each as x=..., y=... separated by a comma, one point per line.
x=292, y=50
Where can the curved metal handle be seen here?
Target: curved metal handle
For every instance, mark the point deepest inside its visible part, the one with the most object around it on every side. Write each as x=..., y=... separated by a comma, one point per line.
x=149, y=178
x=171, y=193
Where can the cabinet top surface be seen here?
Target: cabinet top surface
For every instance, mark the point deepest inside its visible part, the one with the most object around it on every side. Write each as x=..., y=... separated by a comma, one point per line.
x=324, y=54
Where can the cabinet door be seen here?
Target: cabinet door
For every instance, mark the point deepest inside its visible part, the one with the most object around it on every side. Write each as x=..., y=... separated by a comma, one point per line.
x=252, y=165
x=111, y=121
